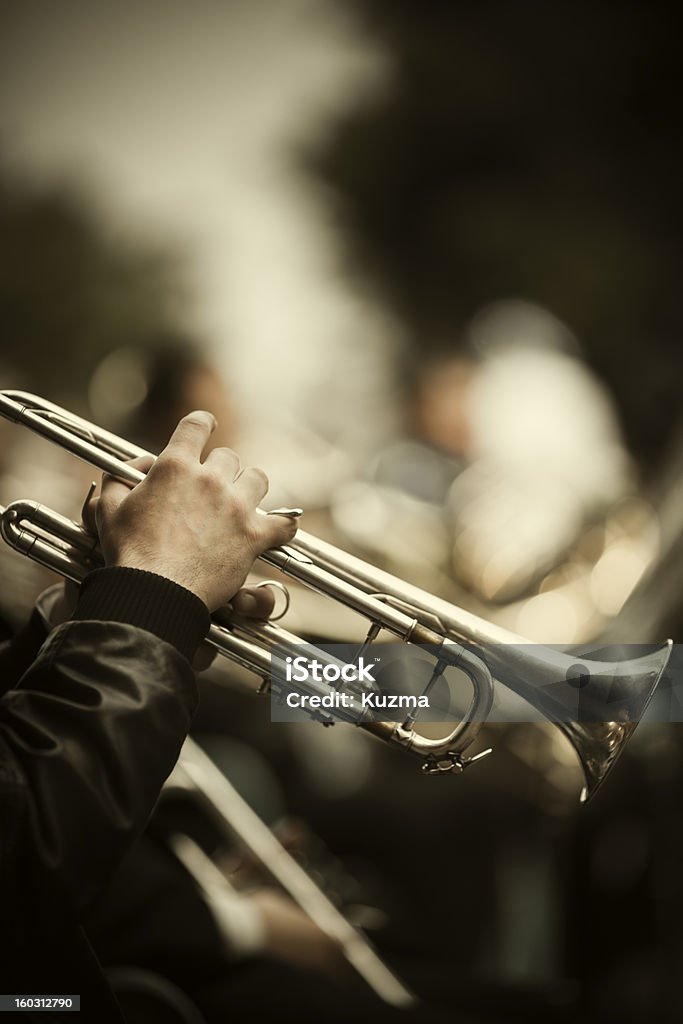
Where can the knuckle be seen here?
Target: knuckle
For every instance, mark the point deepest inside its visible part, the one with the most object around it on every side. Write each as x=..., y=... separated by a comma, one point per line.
x=214, y=482
x=242, y=509
x=169, y=464
x=254, y=537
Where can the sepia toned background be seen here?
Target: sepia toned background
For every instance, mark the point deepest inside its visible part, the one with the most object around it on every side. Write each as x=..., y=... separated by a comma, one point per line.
x=423, y=262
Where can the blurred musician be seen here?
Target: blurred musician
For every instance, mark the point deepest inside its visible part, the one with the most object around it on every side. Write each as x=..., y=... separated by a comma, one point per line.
x=510, y=448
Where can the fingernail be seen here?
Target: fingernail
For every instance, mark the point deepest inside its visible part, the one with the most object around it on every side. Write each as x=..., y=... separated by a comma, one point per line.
x=290, y=513
x=210, y=415
x=245, y=603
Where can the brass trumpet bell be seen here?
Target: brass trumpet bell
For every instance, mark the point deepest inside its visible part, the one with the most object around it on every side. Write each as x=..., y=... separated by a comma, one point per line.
x=599, y=744
x=596, y=704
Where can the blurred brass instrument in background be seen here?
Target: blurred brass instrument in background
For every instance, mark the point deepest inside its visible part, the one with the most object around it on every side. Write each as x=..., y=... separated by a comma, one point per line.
x=197, y=773
x=615, y=692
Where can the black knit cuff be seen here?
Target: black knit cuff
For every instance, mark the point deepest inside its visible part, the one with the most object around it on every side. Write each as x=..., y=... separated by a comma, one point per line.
x=143, y=599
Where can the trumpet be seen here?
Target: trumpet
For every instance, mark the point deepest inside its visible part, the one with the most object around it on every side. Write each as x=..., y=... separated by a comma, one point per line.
x=616, y=692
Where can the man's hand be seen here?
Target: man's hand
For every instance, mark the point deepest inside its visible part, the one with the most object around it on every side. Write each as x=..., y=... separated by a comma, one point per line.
x=252, y=602
x=193, y=522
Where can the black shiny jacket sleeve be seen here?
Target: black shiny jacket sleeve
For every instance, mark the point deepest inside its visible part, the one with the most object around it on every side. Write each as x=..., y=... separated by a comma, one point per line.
x=88, y=735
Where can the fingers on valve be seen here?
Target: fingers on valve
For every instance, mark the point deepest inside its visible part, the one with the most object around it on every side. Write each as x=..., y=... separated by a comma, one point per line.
x=277, y=529
x=191, y=435
x=225, y=462
x=255, y=602
x=253, y=484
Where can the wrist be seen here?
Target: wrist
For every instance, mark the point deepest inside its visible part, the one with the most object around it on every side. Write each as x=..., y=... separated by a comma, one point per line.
x=181, y=576
x=148, y=600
